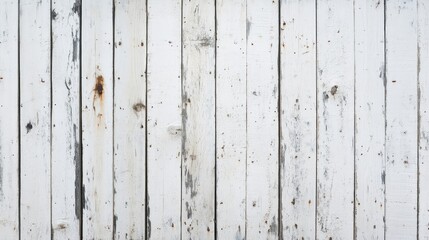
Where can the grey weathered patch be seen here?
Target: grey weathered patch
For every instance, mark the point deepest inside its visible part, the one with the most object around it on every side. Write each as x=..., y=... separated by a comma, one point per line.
x=248, y=26
x=76, y=7
x=273, y=226
x=75, y=47
x=188, y=210
x=190, y=183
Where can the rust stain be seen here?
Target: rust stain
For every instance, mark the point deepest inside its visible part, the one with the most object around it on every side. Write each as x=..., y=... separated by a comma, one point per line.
x=98, y=103
x=99, y=86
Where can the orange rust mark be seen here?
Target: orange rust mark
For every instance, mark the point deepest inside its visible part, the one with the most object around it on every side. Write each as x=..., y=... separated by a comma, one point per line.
x=99, y=86
x=97, y=103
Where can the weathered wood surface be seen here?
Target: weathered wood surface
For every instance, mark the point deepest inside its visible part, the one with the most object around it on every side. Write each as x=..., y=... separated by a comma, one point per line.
x=65, y=150
x=335, y=118
x=369, y=120
x=298, y=119
x=262, y=119
x=129, y=119
x=97, y=119
x=35, y=119
x=198, y=119
x=226, y=119
x=164, y=121
x=231, y=119
x=423, y=117
x=9, y=120
x=401, y=120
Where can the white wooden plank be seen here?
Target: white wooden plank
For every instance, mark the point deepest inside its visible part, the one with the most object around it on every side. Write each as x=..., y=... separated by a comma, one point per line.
x=231, y=118
x=35, y=124
x=164, y=119
x=298, y=118
x=130, y=120
x=335, y=119
x=9, y=122
x=262, y=119
x=198, y=116
x=423, y=81
x=97, y=119
x=401, y=119
x=370, y=119
x=66, y=160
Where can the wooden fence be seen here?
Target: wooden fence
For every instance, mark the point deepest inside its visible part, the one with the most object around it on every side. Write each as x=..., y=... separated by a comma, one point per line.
x=214, y=119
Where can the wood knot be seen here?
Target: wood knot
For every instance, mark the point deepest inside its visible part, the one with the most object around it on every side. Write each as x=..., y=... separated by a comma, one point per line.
x=29, y=126
x=137, y=107
x=334, y=90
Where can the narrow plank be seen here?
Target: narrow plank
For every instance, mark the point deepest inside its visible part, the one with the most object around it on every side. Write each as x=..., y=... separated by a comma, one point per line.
x=97, y=119
x=164, y=119
x=9, y=122
x=231, y=118
x=401, y=119
x=198, y=116
x=298, y=118
x=35, y=124
x=130, y=120
x=335, y=119
x=423, y=81
x=66, y=157
x=370, y=119
x=262, y=119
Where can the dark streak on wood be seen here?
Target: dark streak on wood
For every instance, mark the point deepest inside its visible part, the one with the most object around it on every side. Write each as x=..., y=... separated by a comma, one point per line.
x=148, y=222
x=83, y=198
x=78, y=167
x=54, y=15
x=273, y=226
x=77, y=7
x=75, y=46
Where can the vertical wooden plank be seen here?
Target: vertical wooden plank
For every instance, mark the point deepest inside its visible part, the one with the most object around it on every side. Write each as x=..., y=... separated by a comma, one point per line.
x=401, y=119
x=66, y=160
x=335, y=119
x=130, y=119
x=231, y=118
x=298, y=118
x=262, y=119
x=9, y=122
x=164, y=119
x=198, y=116
x=370, y=119
x=423, y=97
x=97, y=118
x=35, y=94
